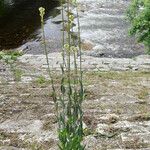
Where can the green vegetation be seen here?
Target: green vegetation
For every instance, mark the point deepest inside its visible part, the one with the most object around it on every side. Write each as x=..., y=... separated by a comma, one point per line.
x=68, y=103
x=143, y=93
x=9, y=57
x=17, y=73
x=67, y=92
x=41, y=80
x=113, y=75
x=139, y=17
x=1, y=7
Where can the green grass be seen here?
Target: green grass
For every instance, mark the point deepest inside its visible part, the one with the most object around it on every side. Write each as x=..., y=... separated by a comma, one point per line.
x=10, y=54
x=118, y=75
x=143, y=93
x=41, y=80
x=127, y=77
x=17, y=74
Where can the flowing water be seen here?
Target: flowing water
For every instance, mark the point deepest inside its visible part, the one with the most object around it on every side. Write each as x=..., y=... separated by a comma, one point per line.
x=103, y=24
x=20, y=24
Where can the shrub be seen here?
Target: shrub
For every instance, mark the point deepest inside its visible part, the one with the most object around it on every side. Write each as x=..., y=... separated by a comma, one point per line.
x=139, y=17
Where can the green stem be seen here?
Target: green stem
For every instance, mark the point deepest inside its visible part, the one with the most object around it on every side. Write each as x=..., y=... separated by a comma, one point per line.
x=63, y=34
x=48, y=65
x=68, y=54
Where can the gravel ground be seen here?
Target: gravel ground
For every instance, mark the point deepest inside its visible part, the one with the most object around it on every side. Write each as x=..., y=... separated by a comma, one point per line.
x=116, y=109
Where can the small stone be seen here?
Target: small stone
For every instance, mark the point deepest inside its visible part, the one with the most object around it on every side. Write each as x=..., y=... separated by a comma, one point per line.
x=26, y=79
x=113, y=118
x=90, y=142
x=87, y=45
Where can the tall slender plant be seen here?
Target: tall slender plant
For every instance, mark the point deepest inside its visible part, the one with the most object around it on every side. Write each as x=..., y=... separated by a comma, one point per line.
x=42, y=13
x=69, y=100
x=70, y=118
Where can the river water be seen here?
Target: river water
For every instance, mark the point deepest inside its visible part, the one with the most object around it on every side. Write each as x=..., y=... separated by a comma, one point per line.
x=103, y=25
x=20, y=24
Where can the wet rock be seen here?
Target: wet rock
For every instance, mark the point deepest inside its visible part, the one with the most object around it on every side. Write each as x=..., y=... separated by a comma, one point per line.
x=58, y=18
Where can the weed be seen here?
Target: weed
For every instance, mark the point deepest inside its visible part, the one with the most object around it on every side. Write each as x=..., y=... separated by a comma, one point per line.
x=143, y=93
x=12, y=55
x=68, y=104
x=17, y=74
x=9, y=58
x=41, y=80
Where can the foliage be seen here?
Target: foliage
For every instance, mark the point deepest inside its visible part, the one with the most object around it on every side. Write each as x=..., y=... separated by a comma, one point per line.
x=10, y=55
x=68, y=103
x=41, y=80
x=139, y=17
x=1, y=7
x=9, y=58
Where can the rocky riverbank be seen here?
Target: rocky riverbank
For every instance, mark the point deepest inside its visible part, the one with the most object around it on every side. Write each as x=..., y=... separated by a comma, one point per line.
x=141, y=63
x=105, y=28
x=116, y=108
x=104, y=31
x=117, y=102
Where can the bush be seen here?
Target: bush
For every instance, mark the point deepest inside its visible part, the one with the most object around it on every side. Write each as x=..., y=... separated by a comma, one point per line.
x=139, y=17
